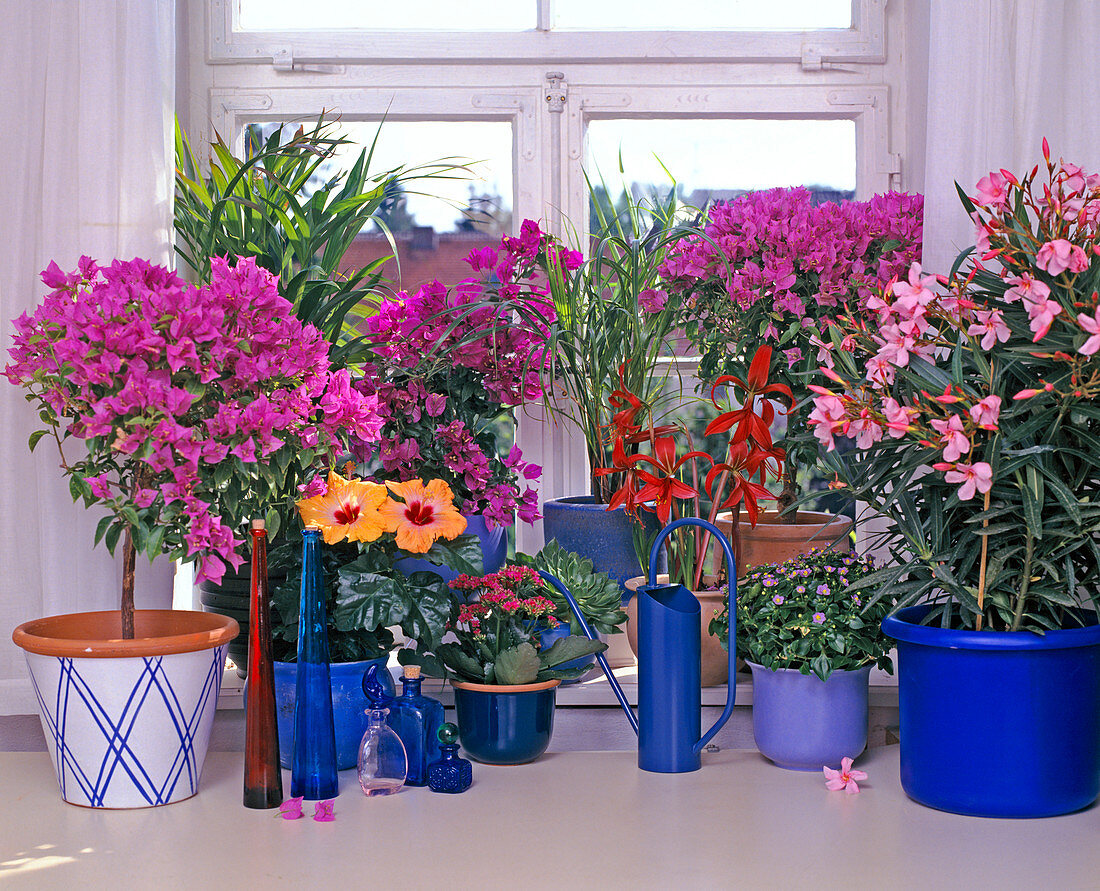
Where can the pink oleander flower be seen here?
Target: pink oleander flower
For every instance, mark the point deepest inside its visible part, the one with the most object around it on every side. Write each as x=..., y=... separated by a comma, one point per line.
x=1027, y=287
x=1042, y=313
x=986, y=412
x=991, y=326
x=953, y=437
x=864, y=429
x=913, y=295
x=972, y=477
x=828, y=418
x=845, y=778
x=1091, y=324
x=992, y=191
x=898, y=417
x=1059, y=255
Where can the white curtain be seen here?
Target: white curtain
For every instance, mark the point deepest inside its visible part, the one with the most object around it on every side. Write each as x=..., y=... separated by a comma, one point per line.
x=1002, y=75
x=86, y=112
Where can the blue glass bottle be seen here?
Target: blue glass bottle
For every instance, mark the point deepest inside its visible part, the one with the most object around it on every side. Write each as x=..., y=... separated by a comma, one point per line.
x=450, y=773
x=313, y=767
x=416, y=719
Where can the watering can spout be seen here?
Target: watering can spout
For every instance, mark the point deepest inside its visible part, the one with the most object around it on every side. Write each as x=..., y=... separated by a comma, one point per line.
x=669, y=677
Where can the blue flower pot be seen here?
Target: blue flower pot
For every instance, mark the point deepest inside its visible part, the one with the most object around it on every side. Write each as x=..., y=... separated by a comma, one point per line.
x=801, y=722
x=505, y=724
x=604, y=537
x=349, y=706
x=494, y=551
x=998, y=724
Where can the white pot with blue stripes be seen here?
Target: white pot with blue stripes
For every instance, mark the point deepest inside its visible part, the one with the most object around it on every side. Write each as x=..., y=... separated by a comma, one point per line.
x=127, y=722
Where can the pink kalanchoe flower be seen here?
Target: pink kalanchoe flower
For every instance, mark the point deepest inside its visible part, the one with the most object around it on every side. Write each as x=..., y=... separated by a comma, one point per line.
x=845, y=778
x=986, y=412
x=953, y=438
x=1091, y=324
x=1059, y=255
x=972, y=477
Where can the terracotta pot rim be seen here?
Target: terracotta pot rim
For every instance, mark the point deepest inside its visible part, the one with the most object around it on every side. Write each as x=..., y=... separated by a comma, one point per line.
x=506, y=688
x=802, y=518
x=158, y=632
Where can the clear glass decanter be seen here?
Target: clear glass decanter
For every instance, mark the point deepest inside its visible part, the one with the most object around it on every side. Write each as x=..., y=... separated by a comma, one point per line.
x=383, y=764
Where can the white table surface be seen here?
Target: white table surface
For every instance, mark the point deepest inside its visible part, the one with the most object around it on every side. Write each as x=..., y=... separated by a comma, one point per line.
x=569, y=820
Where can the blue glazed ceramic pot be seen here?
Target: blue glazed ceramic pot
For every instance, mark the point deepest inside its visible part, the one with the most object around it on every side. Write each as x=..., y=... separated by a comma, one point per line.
x=505, y=724
x=349, y=706
x=604, y=537
x=998, y=724
x=801, y=722
x=494, y=551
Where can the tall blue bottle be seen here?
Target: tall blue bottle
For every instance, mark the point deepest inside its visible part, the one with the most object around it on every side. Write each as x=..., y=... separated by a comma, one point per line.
x=313, y=766
x=416, y=719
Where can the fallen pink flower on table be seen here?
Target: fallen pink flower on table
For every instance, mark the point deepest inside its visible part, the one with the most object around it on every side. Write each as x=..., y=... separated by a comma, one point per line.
x=845, y=778
x=291, y=809
x=323, y=812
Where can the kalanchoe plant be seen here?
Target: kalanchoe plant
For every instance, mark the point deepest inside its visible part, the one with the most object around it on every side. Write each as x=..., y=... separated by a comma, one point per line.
x=452, y=361
x=497, y=635
x=191, y=405
x=363, y=527
x=597, y=594
x=656, y=478
x=810, y=613
x=771, y=267
x=974, y=404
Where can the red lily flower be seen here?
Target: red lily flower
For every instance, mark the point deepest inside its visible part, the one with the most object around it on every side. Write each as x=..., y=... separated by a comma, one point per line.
x=662, y=489
x=626, y=496
x=743, y=463
x=750, y=423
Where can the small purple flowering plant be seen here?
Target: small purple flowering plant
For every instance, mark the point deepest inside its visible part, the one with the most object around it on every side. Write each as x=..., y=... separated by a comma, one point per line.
x=451, y=362
x=182, y=410
x=772, y=268
x=808, y=613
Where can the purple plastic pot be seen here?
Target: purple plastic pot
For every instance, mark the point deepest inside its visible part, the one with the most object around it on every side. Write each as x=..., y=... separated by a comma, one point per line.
x=801, y=722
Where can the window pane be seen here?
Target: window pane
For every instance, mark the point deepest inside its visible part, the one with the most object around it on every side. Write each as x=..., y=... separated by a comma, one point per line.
x=412, y=15
x=438, y=221
x=703, y=15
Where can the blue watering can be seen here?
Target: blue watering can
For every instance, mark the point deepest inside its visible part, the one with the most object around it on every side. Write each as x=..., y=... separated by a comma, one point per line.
x=669, y=676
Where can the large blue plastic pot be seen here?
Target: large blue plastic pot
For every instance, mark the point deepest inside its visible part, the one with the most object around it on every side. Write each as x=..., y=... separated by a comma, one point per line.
x=349, y=706
x=494, y=551
x=998, y=724
x=604, y=536
x=505, y=724
x=801, y=722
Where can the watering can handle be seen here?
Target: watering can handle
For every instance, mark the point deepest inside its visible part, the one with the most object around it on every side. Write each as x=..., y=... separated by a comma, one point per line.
x=731, y=574
x=611, y=679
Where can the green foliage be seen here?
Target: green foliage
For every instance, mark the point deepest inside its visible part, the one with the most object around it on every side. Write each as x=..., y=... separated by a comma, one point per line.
x=598, y=595
x=602, y=331
x=811, y=613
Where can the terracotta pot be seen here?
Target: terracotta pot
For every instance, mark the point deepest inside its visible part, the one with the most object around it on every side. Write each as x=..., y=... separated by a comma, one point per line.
x=127, y=722
x=713, y=656
x=773, y=541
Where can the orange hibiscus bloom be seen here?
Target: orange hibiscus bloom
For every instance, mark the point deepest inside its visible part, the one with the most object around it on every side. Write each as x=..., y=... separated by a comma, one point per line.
x=427, y=514
x=350, y=509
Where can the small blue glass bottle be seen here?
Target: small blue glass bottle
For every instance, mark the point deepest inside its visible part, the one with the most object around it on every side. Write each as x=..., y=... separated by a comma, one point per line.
x=313, y=766
x=416, y=719
x=450, y=773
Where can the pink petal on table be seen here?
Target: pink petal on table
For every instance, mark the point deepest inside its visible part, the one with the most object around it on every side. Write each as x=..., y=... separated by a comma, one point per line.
x=323, y=813
x=291, y=809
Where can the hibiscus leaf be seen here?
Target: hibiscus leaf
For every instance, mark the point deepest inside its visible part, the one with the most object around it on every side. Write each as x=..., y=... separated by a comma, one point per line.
x=462, y=554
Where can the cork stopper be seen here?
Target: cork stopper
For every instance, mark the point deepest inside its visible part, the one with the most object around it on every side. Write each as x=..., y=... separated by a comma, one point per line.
x=412, y=672
x=258, y=524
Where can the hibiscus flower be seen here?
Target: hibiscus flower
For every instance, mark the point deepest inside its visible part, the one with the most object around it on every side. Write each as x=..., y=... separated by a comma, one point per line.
x=428, y=513
x=349, y=509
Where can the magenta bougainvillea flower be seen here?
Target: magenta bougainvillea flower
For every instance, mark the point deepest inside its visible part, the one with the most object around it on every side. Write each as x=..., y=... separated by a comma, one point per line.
x=184, y=399
x=291, y=808
x=323, y=812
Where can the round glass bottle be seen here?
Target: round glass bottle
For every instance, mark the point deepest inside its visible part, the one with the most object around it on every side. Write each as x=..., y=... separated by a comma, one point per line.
x=383, y=764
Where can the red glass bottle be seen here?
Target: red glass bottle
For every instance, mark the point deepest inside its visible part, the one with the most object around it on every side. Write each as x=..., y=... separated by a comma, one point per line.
x=263, y=779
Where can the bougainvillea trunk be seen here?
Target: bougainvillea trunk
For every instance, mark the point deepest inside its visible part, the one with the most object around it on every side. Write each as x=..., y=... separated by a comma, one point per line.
x=128, y=560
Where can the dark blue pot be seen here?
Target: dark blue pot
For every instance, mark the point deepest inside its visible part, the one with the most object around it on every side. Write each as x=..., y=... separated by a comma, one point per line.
x=801, y=722
x=505, y=725
x=998, y=724
x=494, y=551
x=603, y=536
x=349, y=706
x=551, y=635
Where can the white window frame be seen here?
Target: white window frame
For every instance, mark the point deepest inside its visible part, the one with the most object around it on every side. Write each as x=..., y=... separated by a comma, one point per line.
x=863, y=41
